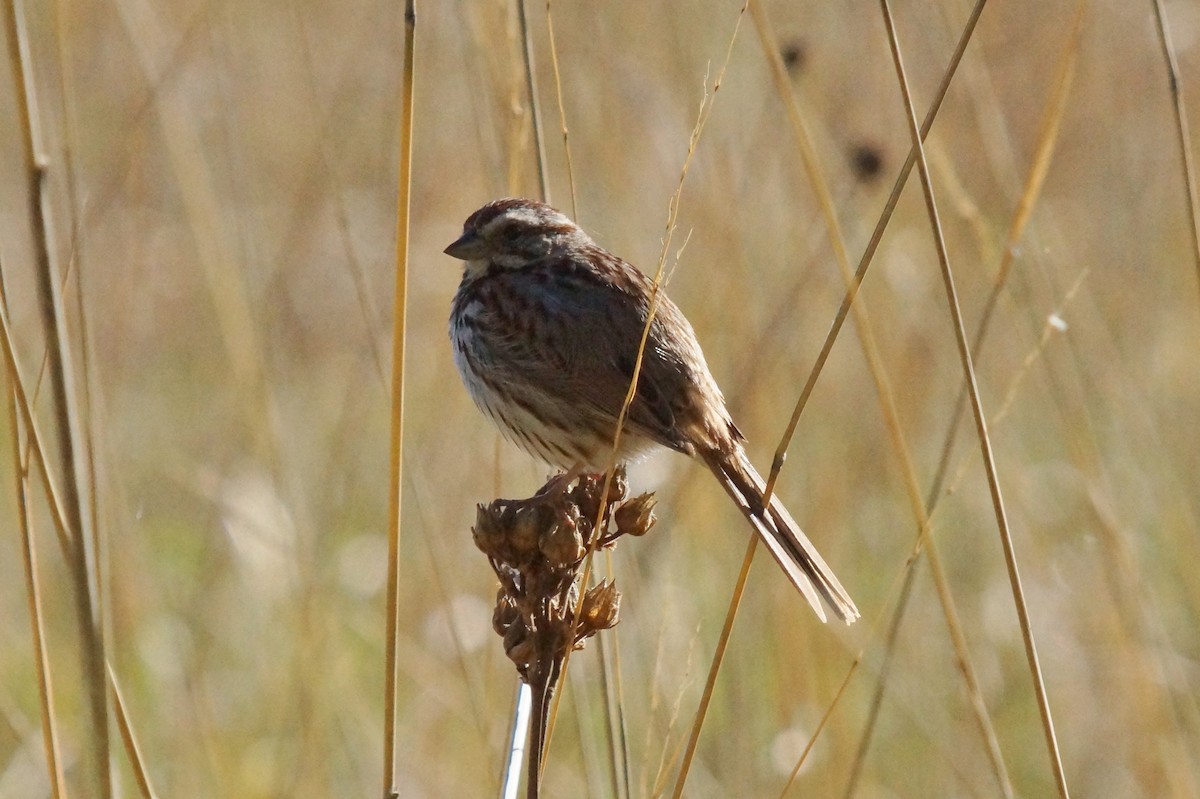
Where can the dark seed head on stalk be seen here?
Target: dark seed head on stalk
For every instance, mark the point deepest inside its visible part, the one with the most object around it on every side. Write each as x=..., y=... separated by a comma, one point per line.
x=537, y=548
x=560, y=541
x=636, y=516
x=601, y=607
x=505, y=614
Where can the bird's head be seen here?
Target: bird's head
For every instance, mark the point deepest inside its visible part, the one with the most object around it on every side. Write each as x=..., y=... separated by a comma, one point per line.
x=512, y=234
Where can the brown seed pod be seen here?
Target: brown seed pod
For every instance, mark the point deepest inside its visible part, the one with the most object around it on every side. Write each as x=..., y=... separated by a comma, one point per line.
x=636, y=516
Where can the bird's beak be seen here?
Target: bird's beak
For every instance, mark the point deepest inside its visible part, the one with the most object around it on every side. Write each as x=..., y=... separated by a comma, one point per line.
x=468, y=247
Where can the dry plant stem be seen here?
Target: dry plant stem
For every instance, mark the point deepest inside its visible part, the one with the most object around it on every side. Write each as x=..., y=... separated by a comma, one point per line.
x=1184, y=136
x=543, y=681
x=132, y=750
x=1005, y=405
x=627, y=766
x=977, y=408
x=669, y=231
x=20, y=410
x=536, y=547
x=1124, y=565
x=1048, y=137
x=886, y=401
x=539, y=142
x=1031, y=193
x=614, y=708
x=872, y=245
x=85, y=592
x=34, y=598
x=562, y=112
x=66, y=538
x=70, y=135
x=399, y=331
x=32, y=449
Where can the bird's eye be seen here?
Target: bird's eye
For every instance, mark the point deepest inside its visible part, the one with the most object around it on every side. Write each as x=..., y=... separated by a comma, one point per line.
x=512, y=233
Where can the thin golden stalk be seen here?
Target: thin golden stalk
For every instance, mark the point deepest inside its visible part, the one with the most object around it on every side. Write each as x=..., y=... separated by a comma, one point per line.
x=887, y=403
x=562, y=113
x=37, y=452
x=1049, y=133
x=1182, y=131
x=85, y=591
x=872, y=245
x=1008, y=399
x=889, y=650
x=985, y=443
x=539, y=142
x=616, y=733
x=1050, y=126
x=1055, y=109
x=396, y=448
x=132, y=750
x=620, y=700
x=41, y=658
x=70, y=135
x=1047, y=140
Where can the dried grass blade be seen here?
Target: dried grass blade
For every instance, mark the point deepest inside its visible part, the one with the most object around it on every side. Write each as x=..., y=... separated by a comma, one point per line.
x=399, y=335
x=964, y=351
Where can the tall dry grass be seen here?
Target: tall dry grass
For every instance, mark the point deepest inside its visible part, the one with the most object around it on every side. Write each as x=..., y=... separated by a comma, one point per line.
x=219, y=214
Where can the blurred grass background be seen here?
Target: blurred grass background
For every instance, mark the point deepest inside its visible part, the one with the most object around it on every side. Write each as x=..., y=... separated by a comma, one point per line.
x=222, y=188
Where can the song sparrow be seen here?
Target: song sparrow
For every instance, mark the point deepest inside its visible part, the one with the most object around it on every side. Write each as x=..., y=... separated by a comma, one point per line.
x=546, y=326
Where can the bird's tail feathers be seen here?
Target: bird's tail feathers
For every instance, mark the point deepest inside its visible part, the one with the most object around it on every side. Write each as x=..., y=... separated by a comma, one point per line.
x=788, y=544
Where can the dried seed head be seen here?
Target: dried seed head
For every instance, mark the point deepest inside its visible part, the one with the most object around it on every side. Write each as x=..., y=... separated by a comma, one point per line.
x=519, y=644
x=601, y=608
x=505, y=613
x=619, y=486
x=488, y=531
x=524, y=529
x=561, y=542
x=586, y=495
x=636, y=516
x=536, y=547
